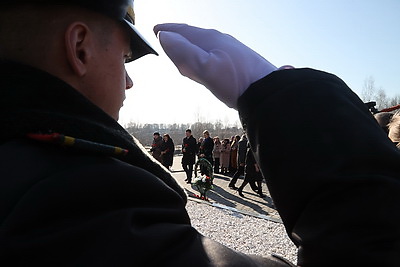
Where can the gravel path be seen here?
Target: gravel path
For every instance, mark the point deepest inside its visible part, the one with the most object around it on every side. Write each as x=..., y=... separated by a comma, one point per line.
x=240, y=232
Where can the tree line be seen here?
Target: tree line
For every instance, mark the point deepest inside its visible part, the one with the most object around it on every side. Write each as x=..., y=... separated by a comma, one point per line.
x=370, y=92
x=144, y=132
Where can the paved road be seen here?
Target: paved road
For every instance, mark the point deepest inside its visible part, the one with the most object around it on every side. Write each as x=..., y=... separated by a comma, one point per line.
x=222, y=196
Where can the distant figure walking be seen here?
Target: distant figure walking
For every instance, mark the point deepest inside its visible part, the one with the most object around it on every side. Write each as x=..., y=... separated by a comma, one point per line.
x=189, y=151
x=206, y=147
x=167, y=151
x=241, y=160
x=156, y=146
x=252, y=174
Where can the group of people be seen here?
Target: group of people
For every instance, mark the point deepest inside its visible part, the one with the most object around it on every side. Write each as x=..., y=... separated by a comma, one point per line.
x=225, y=154
x=234, y=156
x=162, y=149
x=77, y=189
x=231, y=156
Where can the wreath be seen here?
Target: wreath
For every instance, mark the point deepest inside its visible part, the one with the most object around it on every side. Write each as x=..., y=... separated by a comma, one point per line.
x=204, y=181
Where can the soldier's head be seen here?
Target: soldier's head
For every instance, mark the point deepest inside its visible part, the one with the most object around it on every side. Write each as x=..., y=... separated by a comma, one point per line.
x=84, y=43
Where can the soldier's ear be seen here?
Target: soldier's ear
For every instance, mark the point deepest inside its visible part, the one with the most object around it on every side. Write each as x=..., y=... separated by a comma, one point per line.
x=78, y=45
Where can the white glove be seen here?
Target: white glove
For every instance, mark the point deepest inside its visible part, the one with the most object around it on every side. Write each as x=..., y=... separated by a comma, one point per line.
x=218, y=61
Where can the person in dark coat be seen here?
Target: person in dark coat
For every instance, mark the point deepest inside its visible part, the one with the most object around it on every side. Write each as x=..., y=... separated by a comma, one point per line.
x=167, y=151
x=156, y=146
x=76, y=189
x=241, y=161
x=252, y=174
x=337, y=184
x=206, y=147
x=189, y=151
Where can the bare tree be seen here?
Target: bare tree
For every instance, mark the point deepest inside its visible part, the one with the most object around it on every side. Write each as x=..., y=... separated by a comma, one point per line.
x=144, y=132
x=368, y=90
x=371, y=93
x=394, y=101
x=381, y=99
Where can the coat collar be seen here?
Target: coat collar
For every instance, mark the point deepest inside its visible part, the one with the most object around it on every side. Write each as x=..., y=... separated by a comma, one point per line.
x=33, y=101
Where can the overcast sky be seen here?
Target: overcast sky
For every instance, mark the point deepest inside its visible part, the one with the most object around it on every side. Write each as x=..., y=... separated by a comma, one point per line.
x=354, y=39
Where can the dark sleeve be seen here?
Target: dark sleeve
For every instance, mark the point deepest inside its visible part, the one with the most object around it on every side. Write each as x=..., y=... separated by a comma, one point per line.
x=169, y=146
x=242, y=151
x=107, y=214
x=193, y=146
x=332, y=172
x=209, y=146
x=160, y=142
x=250, y=158
x=163, y=146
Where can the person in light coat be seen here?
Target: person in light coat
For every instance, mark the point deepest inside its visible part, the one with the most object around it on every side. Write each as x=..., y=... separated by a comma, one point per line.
x=225, y=155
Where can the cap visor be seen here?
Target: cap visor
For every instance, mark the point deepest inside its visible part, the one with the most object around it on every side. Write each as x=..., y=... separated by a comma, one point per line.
x=139, y=45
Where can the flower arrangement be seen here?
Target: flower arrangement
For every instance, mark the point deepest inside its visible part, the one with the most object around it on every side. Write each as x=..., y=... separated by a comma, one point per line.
x=204, y=181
